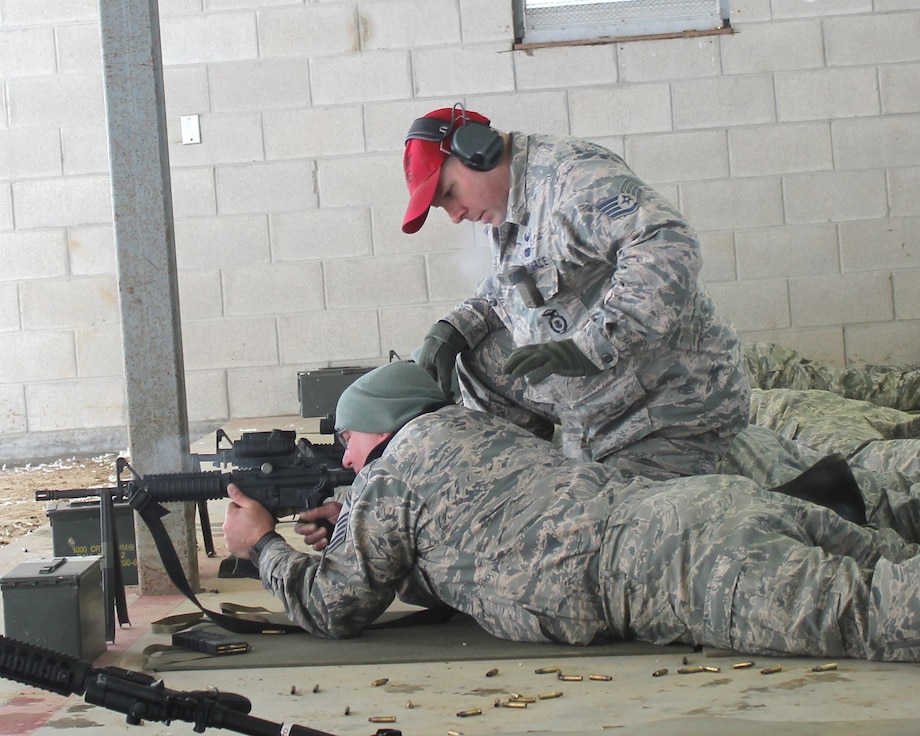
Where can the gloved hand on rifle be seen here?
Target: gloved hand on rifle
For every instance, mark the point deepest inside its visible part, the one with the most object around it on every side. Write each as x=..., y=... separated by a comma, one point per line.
x=438, y=354
x=537, y=362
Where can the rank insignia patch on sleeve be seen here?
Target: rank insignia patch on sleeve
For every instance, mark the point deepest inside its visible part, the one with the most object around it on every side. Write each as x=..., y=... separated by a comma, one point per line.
x=625, y=202
x=341, y=526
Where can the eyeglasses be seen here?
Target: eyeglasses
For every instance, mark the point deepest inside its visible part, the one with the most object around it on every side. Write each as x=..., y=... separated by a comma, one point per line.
x=340, y=436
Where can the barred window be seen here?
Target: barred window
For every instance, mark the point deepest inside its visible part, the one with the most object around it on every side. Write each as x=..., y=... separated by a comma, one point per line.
x=573, y=21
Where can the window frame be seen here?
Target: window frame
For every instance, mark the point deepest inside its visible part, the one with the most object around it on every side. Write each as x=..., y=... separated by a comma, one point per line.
x=667, y=26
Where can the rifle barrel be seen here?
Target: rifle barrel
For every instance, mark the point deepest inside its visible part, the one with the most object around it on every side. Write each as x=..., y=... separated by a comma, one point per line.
x=61, y=495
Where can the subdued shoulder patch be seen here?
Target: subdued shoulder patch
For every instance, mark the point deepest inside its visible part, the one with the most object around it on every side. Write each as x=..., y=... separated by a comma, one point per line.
x=625, y=202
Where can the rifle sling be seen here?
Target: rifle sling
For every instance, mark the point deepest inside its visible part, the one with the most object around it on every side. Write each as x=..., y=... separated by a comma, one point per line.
x=152, y=513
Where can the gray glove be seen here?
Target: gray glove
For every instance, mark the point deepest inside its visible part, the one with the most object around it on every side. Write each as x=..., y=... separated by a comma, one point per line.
x=439, y=351
x=537, y=362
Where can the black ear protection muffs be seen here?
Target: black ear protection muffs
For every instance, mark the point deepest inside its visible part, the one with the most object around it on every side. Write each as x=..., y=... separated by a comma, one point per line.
x=476, y=145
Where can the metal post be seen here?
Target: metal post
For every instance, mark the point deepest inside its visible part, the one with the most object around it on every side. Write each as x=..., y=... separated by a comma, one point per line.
x=146, y=255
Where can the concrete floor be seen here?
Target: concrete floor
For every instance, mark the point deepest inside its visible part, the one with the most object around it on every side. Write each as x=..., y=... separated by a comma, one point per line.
x=857, y=698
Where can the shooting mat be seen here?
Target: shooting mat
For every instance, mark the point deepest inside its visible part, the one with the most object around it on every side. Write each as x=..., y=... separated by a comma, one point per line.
x=459, y=639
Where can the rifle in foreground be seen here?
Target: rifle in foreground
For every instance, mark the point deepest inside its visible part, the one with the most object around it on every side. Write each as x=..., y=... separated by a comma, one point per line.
x=139, y=696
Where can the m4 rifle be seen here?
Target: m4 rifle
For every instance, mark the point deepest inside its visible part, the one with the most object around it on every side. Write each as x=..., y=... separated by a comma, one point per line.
x=284, y=474
x=139, y=696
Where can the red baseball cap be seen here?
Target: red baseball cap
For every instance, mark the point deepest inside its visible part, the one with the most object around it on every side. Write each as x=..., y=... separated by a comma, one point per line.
x=424, y=156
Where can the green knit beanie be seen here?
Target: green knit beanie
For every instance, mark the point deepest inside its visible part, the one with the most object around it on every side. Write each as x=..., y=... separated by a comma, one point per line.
x=387, y=397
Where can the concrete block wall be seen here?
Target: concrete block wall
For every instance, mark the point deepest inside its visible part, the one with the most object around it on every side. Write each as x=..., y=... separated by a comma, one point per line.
x=792, y=145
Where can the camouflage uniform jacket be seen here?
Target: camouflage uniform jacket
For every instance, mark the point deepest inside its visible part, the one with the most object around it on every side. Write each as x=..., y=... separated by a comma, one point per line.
x=616, y=267
x=468, y=510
